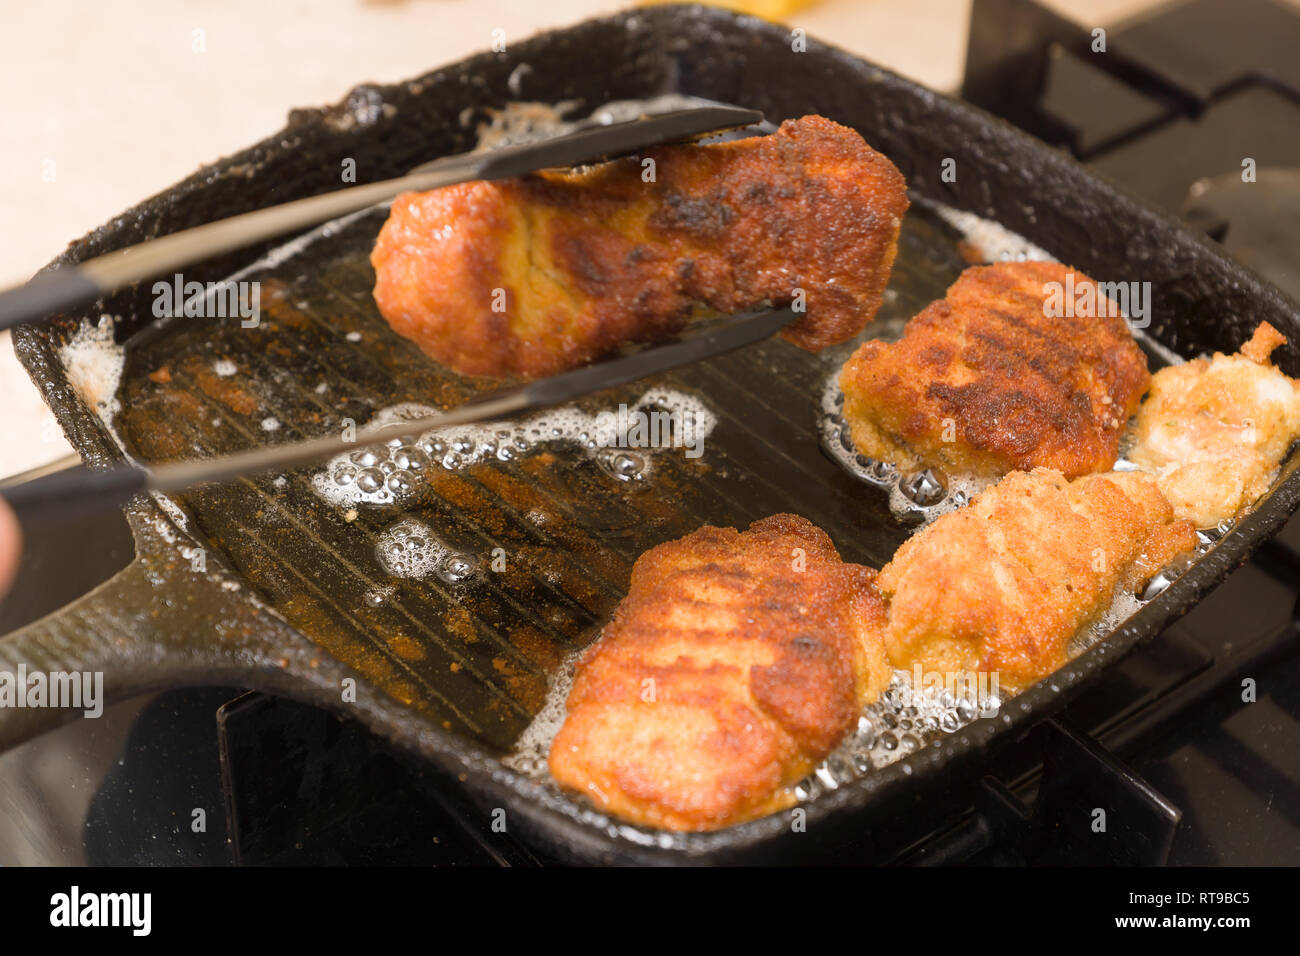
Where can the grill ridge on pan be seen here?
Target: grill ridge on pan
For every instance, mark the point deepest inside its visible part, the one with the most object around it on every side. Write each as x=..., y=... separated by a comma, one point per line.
x=312, y=567
x=318, y=569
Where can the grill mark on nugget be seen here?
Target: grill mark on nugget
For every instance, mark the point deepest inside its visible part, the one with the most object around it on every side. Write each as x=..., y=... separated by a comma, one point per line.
x=984, y=382
x=756, y=669
x=1003, y=584
x=589, y=261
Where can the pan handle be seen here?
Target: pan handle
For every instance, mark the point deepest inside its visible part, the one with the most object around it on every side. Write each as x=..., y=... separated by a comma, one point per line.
x=80, y=647
x=155, y=625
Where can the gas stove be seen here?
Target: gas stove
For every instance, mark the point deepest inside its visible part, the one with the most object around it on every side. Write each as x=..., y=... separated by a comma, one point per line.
x=1195, y=737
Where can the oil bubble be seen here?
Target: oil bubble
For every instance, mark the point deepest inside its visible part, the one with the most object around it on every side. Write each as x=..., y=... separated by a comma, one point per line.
x=401, y=482
x=370, y=480
x=923, y=488
x=455, y=568
x=624, y=465
x=921, y=494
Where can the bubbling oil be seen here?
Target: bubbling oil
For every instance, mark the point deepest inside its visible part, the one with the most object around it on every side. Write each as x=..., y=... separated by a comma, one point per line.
x=389, y=473
x=409, y=549
x=921, y=495
x=904, y=719
x=993, y=241
x=533, y=747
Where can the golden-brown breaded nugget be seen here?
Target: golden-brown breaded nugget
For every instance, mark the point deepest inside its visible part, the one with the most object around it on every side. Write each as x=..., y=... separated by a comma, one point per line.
x=734, y=665
x=535, y=275
x=1002, y=585
x=985, y=381
x=1214, y=431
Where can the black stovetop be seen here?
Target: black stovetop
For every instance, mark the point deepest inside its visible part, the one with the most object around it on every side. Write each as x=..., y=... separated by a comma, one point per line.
x=1170, y=110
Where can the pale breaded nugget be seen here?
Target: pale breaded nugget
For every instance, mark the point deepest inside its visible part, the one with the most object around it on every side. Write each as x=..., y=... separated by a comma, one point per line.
x=734, y=665
x=1214, y=431
x=531, y=276
x=985, y=381
x=1004, y=584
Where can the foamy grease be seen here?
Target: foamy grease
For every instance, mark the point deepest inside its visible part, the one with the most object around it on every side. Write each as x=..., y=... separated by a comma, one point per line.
x=409, y=549
x=392, y=472
x=94, y=364
x=921, y=495
x=533, y=747
x=993, y=241
x=901, y=721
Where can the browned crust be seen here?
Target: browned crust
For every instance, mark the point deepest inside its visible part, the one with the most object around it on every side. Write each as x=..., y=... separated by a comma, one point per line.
x=590, y=261
x=1214, y=430
x=1003, y=584
x=984, y=381
x=1263, y=343
x=758, y=670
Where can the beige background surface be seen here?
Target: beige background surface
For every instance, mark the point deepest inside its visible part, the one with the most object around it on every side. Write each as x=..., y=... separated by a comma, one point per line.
x=113, y=102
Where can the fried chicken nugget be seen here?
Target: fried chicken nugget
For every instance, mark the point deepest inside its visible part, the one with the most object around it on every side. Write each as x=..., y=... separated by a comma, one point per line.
x=734, y=665
x=1213, y=431
x=1002, y=585
x=531, y=276
x=986, y=381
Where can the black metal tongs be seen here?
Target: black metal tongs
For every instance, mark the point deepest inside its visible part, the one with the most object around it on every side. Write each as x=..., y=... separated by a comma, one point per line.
x=77, y=490
x=589, y=142
x=68, y=491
